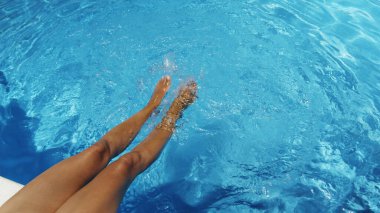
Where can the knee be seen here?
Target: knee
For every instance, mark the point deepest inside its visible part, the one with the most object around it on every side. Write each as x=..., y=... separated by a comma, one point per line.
x=100, y=150
x=129, y=163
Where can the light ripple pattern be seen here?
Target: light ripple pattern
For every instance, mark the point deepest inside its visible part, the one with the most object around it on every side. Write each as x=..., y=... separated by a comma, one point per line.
x=288, y=113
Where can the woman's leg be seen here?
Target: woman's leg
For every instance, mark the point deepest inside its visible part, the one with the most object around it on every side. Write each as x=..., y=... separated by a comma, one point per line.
x=51, y=189
x=105, y=191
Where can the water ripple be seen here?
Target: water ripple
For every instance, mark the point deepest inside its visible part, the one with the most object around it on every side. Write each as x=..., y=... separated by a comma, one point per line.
x=287, y=117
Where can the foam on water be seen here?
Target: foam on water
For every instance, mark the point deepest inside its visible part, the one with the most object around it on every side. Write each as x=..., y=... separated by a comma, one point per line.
x=287, y=117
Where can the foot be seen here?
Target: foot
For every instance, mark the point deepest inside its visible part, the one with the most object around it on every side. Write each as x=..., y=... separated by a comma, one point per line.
x=186, y=96
x=159, y=92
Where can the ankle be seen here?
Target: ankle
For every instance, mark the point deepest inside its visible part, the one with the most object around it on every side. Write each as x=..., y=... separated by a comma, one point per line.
x=168, y=122
x=149, y=108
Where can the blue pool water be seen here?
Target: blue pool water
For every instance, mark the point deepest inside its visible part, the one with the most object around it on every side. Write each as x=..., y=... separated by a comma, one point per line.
x=288, y=114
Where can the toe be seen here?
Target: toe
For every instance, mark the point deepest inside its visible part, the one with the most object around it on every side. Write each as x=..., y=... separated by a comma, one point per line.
x=167, y=82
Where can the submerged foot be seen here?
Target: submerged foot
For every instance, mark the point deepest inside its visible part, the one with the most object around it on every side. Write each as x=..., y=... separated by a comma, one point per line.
x=186, y=96
x=159, y=92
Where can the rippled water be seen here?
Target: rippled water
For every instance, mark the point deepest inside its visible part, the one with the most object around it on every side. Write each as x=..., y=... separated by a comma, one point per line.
x=287, y=118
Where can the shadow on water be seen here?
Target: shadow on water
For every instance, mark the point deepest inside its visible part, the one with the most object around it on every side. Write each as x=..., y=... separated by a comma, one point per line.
x=4, y=82
x=19, y=159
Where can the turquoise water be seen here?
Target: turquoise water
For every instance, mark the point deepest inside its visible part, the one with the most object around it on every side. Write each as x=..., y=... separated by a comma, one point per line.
x=287, y=118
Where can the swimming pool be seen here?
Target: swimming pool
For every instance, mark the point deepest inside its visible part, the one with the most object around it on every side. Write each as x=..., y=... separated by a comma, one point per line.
x=287, y=117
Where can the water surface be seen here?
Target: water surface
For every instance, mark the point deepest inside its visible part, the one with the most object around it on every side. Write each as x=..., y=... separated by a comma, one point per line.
x=287, y=118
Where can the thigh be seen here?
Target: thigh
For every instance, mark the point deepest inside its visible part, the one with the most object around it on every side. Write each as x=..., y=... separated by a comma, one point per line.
x=48, y=191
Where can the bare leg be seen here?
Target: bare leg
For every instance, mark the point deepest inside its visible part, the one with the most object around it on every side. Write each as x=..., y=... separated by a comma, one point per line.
x=51, y=189
x=105, y=191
